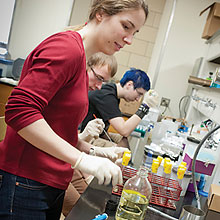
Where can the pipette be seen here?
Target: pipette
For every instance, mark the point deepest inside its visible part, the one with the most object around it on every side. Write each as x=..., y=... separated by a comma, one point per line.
x=105, y=131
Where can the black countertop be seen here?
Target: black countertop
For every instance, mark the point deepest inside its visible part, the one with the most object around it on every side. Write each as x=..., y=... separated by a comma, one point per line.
x=93, y=202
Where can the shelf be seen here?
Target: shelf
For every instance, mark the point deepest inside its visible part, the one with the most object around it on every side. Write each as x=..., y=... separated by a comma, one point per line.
x=205, y=88
x=209, y=112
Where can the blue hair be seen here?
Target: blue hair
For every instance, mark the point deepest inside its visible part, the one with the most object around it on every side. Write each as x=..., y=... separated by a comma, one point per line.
x=138, y=77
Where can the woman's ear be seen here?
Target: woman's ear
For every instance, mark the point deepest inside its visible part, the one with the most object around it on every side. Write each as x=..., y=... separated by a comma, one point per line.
x=99, y=16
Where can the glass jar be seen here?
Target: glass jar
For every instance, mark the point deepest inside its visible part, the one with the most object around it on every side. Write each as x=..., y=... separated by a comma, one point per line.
x=135, y=197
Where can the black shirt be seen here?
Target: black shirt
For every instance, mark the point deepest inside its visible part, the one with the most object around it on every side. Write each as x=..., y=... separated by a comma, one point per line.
x=104, y=103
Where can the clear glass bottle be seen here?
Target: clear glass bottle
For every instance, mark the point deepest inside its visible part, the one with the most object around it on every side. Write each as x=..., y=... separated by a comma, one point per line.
x=135, y=197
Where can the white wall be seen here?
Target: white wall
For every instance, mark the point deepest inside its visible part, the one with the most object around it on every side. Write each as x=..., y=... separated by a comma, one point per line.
x=184, y=46
x=80, y=12
x=6, y=13
x=34, y=20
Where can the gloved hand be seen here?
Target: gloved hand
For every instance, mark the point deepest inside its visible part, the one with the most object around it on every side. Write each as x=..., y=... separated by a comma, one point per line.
x=151, y=99
x=112, y=153
x=118, y=162
x=102, y=168
x=93, y=129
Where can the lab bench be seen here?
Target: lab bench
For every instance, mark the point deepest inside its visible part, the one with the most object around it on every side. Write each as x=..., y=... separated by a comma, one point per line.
x=93, y=202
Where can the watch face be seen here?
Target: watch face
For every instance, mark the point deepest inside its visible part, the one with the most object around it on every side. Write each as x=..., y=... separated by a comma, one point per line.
x=92, y=151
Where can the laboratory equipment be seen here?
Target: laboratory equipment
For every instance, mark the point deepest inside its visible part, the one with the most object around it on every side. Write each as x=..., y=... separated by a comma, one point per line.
x=184, y=178
x=135, y=197
x=158, y=132
x=148, y=159
x=160, y=168
x=159, y=158
x=191, y=213
x=167, y=172
x=126, y=157
x=154, y=168
x=106, y=133
x=160, y=196
x=194, y=162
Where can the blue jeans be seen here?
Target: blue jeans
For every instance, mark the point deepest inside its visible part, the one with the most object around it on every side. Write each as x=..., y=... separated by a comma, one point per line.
x=22, y=198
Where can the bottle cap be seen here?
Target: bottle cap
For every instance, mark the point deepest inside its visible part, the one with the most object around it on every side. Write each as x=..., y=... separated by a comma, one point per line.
x=182, y=167
x=126, y=158
x=168, y=167
x=156, y=161
x=183, y=163
x=160, y=159
x=180, y=173
x=111, y=207
x=155, y=166
x=166, y=160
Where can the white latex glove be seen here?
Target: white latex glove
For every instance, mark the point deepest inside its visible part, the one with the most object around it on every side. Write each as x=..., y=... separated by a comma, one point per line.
x=118, y=162
x=102, y=168
x=112, y=153
x=93, y=129
x=151, y=98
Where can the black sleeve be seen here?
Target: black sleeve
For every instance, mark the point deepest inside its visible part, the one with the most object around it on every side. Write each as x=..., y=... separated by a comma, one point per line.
x=104, y=104
x=108, y=107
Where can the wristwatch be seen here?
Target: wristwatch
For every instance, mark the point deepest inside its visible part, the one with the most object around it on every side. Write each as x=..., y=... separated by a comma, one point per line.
x=92, y=151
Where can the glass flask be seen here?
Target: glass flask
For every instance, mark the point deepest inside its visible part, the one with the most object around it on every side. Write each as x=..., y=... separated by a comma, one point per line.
x=135, y=197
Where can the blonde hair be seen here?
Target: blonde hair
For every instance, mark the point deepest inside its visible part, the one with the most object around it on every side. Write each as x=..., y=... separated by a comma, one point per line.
x=112, y=7
x=101, y=59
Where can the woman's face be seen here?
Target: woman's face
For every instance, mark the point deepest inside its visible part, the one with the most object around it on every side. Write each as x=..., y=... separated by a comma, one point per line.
x=115, y=31
x=98, y=75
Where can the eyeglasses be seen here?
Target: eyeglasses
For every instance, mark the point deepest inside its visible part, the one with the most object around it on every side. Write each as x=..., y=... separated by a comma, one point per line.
x=139, y=93
x=98, y=77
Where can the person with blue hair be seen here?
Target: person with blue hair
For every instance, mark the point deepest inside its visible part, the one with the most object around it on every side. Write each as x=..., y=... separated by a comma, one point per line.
x=104, y=103
x=139, y=78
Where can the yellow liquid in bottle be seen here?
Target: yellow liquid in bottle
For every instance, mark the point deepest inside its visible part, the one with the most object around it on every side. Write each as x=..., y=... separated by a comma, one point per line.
x=132, y=206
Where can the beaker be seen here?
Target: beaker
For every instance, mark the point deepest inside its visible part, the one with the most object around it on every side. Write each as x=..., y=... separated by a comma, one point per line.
x=191, y=213
x=158, y=132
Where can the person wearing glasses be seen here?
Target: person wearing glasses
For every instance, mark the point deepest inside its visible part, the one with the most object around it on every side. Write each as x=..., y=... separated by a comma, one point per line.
x=104, y=104
x=100, y=69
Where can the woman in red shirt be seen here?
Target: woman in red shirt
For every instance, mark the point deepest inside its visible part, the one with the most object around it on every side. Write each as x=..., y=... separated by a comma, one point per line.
x=44, y=111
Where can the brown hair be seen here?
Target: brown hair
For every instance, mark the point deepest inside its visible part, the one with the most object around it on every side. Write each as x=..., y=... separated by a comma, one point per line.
x=74, y=28
x=112, y=7
x=101, y=59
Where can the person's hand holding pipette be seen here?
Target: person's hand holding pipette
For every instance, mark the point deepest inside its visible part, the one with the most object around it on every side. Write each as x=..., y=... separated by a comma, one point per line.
x=112, y=153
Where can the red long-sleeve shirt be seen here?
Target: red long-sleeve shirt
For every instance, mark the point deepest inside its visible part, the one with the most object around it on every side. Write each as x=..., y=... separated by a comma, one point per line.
x=53, y=86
